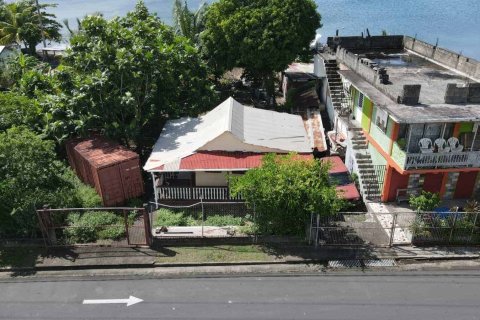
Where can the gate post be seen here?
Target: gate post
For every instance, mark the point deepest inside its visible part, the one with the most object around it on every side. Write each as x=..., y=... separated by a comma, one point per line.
x=125, y=220
x=392, y=230
x=42, y=226
x=473, y=227
x=147, y=225
x=203, y=213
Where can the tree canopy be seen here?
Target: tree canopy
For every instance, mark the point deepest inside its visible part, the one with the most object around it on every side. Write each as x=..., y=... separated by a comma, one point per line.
x=261, y=36
x=22, y=22
x=125, y=76
x=285, y=190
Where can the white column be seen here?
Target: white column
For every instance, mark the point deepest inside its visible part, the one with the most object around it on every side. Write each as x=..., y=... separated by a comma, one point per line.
x=155, y=189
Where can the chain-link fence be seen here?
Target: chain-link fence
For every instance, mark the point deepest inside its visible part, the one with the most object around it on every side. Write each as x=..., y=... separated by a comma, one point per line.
x=382, y=229
x=94, y=226
x=202, y=219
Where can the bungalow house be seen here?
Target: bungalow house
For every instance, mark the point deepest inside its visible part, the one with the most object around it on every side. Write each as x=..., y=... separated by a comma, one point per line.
x=410, y=113
x=193, y=156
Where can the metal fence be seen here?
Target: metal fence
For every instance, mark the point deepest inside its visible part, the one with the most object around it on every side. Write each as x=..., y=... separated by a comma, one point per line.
x=381, y=229
x=122, y=226
x=202, y=220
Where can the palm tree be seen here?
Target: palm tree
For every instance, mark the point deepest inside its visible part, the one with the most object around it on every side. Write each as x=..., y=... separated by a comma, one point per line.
x=187, y=23
x=15, y=19
x=23, y=22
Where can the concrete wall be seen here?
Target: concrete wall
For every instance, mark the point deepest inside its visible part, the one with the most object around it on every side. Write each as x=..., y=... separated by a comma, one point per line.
x=211, y=179
x=366, y=43
x=446, y=57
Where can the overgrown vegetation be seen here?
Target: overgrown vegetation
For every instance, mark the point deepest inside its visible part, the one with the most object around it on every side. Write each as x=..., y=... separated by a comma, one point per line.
x=426, y=201
x=286, y=190
x=91, y=226
x=166, y=218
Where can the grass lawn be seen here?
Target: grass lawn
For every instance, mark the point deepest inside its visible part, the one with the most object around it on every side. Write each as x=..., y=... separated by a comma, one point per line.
x=221, y=253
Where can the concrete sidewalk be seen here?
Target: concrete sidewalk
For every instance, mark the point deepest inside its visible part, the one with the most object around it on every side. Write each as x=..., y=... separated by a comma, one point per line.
x=118, y=258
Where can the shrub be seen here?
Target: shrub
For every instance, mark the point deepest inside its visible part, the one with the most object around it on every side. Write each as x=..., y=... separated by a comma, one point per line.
x=426, y=201
x=94, y=225
x=166, y=217
x=222, y=221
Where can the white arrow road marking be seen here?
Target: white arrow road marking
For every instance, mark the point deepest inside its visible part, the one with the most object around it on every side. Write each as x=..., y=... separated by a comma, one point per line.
x=130, y=301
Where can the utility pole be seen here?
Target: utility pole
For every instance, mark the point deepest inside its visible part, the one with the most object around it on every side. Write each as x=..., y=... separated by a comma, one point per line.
x=41, y=24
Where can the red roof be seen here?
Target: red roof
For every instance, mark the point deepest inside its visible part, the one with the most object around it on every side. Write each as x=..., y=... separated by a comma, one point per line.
x=336, y=163
x=100, y=151
x=223, y=160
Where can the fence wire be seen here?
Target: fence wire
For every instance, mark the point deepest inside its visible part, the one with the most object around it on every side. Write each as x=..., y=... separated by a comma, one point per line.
x=202, y=220
x=400, y=228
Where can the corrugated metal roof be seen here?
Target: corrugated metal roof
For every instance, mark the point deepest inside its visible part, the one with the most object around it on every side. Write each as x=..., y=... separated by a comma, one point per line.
x=101, y=152
x=279, y=132
x=337, y=165
x=221, y=160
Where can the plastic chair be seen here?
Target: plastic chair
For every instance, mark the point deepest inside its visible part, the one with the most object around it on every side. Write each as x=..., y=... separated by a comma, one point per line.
x=441, y=145
x=425, y=145
x=454, y=145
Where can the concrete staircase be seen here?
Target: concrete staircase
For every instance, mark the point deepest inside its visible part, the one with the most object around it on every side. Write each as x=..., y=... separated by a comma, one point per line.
x=335, y=84
x=367, y=178
x=369, y=186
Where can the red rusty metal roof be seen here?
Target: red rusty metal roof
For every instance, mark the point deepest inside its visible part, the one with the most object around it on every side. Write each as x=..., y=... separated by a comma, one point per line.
x=337, y=165
x=223, y=160
x=101, y=152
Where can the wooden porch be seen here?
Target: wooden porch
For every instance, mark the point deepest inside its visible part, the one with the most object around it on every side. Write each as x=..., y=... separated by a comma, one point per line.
x=196, y=193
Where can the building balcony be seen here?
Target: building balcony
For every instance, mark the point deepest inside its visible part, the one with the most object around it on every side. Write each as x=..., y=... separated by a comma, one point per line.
x=196, y=193
x=438, y=160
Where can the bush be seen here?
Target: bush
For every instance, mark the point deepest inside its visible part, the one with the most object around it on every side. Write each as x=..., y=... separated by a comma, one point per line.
x=166, y=218
x=222, y=221
x=426, y=201
x=94, y=225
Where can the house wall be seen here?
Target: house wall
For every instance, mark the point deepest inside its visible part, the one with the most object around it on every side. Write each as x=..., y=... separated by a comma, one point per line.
x=433, y=182
x=396, y=181
x=211, y=179
x=465, y=186
x=228, y=142
x=367, y=113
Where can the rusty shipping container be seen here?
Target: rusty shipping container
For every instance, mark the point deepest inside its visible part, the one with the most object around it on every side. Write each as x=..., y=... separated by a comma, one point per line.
x=113, y=170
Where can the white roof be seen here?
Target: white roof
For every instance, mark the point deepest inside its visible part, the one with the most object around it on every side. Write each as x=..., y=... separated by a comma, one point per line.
x=2, y=48
x=280, y=132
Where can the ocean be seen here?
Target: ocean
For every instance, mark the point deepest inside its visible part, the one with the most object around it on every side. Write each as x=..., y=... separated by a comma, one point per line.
x=454, y=23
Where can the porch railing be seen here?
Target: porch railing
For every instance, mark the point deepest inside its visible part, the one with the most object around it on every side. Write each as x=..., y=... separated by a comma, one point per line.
x=442, y=160
x=196, y=193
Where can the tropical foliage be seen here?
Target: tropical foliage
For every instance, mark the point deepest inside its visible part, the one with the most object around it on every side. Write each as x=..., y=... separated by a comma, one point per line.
x=187, y=23
x=426, y=201
x=31, y=176
x=22, y=22
x=124, y=77
x=286, y=190
x=261, y=36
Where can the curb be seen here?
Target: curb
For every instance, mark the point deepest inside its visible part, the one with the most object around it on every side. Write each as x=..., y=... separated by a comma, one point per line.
x=221, y=264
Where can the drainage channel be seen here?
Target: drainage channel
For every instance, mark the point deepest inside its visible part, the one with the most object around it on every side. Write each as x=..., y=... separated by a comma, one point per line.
x=366, y=263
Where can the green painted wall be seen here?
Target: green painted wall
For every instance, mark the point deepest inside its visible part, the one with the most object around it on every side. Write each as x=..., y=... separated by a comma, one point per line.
x=466, y=127
x=380, y=137
x=377, y=157
x=367, y=113
x=398, y=155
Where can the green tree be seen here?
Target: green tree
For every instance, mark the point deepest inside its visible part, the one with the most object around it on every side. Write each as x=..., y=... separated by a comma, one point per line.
x=16, y=110
x=31, y=176
x=261, y=36
x=23, y=24
x=187, y=23
x=125, y=76
x=285, y=190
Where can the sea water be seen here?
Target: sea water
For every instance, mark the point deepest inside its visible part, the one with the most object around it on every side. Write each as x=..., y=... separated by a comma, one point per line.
x=455, y=24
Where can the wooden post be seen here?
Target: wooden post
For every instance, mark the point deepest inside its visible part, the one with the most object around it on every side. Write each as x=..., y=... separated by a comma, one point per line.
x=125, y=220
x=147, y=225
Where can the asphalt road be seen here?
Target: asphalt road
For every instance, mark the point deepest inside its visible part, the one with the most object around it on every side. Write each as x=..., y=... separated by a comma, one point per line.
x=419, y=295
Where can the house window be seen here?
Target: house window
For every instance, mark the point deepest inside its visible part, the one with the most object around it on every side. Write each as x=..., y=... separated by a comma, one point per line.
x=360, y=100
x=381, y=119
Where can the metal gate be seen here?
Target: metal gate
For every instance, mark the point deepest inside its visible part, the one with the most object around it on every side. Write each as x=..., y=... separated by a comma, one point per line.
x=119, y=226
